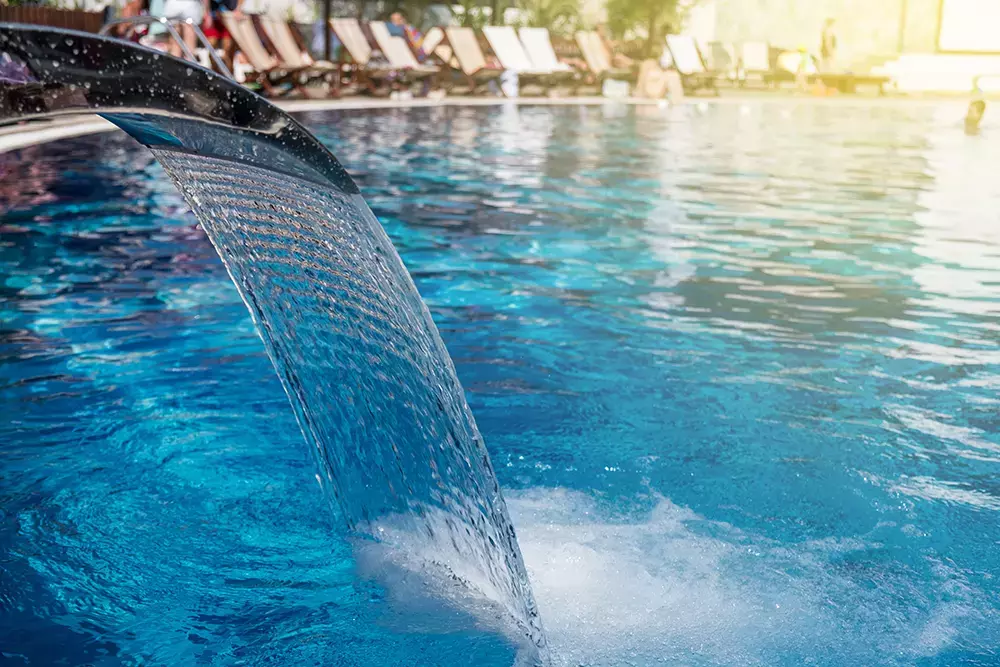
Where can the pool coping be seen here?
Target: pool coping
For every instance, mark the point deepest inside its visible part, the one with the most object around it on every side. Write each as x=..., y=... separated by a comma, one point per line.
x=22, y=136
x=15, y=137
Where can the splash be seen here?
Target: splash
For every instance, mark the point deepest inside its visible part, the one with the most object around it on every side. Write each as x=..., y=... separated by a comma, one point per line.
x=668, y=586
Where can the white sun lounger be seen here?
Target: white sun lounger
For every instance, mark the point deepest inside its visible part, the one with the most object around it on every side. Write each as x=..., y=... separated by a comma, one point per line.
x=397, y=51
x=249, y=43
x=598, y=58
x=689, y=64
x=686, y=57
x=436, y=44
x=355, y=43
x=470, y=57
x=755, y=57
x=271, y=73
x=596, y=62
x=512, y=56
x=755, y=61
x=538, y=46
x=433, y=38
x=350, y=34
x=509, y=50
x=288, y=49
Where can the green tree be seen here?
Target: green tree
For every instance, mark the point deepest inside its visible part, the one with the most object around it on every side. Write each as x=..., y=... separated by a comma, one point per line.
x=559, y=16
x=472, y=14
x=651, y=18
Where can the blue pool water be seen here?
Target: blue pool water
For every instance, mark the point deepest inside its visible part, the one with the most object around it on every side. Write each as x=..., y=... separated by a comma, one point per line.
x=737, y=367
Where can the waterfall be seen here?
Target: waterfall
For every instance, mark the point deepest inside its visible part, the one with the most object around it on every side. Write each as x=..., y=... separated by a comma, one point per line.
x=368, y=377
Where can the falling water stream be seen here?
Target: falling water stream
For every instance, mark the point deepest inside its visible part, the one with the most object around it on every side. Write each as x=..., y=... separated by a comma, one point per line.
x=369, y=379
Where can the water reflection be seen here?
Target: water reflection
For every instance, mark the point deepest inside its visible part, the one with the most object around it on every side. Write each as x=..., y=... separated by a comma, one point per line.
x=756, y=342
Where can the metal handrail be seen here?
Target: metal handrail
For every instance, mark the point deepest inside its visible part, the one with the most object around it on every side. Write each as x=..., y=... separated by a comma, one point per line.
x=133, y=21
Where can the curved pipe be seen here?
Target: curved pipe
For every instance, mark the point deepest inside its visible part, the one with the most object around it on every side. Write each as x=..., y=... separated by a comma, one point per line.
x=69, y=72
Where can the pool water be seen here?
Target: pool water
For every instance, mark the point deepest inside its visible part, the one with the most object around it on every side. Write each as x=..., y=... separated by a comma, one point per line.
x=737, y=366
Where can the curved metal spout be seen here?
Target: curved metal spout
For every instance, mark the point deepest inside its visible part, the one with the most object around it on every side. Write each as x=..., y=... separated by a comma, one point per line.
x=370, y=381
x=68, y=72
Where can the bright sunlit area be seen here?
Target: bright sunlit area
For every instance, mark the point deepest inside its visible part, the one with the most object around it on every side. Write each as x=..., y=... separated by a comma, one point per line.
x=508, y=333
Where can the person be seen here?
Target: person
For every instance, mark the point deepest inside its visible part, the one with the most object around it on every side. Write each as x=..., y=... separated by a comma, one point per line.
x=974, y=116
x=977, y=107
x=13, y=71
x=398, y=27
x=131, y=9
x=828, y=47
x=397, y=24
x=195, y=11
x=215, y=28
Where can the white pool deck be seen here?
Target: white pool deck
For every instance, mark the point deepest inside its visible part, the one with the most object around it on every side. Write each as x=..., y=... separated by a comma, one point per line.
x=13, y=137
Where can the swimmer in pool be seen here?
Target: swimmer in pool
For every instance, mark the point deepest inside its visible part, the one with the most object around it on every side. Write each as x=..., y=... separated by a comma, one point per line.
x=974, y=116
x=977, y=107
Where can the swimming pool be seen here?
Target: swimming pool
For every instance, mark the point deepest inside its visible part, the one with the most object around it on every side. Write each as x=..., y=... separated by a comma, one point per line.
x=736, y=365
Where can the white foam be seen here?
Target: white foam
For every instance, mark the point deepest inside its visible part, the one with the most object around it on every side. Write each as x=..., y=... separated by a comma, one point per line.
x=670, y=587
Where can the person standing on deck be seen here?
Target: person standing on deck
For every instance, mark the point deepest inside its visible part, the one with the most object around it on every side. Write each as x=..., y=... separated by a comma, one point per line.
x=828, y=47
x=215, y=28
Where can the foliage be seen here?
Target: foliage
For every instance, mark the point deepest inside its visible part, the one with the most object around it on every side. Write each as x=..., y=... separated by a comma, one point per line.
x=651, y=19
x=559, y=16
x=472, y=14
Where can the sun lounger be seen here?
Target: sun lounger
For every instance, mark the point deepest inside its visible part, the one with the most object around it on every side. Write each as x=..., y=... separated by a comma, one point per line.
x=270, y=71
x=538, y=46
x=397, y=52
x=508, y=49
x=596, y=62
x=469, y=57
x=791, y=64
x=690, y=65
x=433, y=39
x=512, y=56
x=848, y=82
x=350, y=34
x=598, y=59
x=288, y=49
x=248, y=42
x=436, y=46
x=755, y=64
x=355, y=45
x=722, y=59
x=755, y=58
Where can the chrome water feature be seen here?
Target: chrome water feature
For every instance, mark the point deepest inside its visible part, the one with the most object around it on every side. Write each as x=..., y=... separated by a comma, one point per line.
x=372, y=386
